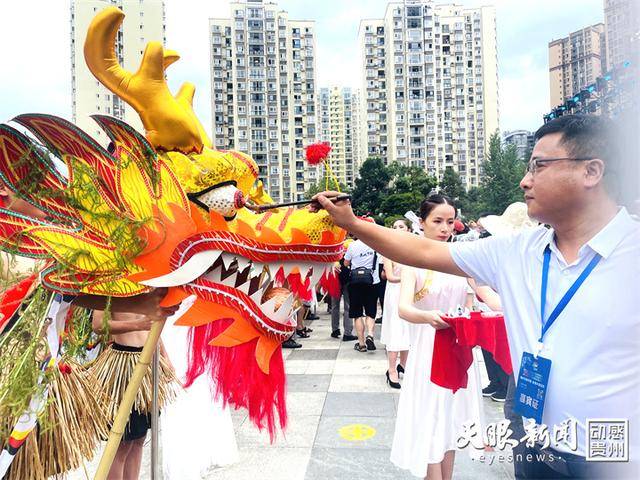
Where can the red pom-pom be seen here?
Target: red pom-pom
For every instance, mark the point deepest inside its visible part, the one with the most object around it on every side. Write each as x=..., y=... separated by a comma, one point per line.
x=317, y=152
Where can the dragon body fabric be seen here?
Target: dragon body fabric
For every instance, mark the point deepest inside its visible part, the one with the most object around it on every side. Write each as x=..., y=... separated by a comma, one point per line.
x=167, y=210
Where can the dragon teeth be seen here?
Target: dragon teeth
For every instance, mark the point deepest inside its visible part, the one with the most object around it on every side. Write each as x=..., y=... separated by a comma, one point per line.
x=257, y=268
x=318, y=272
x=214, y=276
x=285, y=308
x=227, y=259
x=305, y=270
x=244, y=287
x=268, y=307
x=257, y=296
x=292, y=318
x=288, y=267
x=242, y=263
x=230, y=281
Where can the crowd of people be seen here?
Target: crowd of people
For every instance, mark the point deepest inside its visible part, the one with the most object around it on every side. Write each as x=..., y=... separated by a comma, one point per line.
x=577, y=267
x=553, y=266
x=430, y=417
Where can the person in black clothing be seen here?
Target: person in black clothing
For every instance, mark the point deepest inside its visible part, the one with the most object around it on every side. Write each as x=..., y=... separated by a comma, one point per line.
x=347, y=323
x=381, y=287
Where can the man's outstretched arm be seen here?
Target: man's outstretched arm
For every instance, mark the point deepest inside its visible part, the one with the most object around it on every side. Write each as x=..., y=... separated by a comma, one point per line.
x=402, y=247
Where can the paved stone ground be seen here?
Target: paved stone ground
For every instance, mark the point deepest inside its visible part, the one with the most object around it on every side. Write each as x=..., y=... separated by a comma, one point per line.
x=330, y=387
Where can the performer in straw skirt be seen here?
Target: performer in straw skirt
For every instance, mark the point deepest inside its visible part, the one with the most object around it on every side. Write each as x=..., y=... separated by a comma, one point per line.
x=113, y=368
x=69, y=429
x=66, y=418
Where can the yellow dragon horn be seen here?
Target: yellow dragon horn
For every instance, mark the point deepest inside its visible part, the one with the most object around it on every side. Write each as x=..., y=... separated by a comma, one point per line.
x=168, y=124
x=185, y=99
x=170, y=57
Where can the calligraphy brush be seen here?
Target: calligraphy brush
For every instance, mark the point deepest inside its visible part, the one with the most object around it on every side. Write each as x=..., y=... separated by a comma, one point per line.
x=270, y=206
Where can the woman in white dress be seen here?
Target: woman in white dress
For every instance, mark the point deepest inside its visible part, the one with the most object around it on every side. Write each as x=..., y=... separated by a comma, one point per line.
x=395, y=331
x=430, y=418
x=196, y=430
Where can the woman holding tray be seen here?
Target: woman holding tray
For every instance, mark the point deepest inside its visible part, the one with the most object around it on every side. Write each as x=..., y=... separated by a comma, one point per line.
x=430, y=418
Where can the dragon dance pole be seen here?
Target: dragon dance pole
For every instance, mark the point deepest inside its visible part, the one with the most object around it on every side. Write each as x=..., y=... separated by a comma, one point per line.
x=155, y=426
x=120, y=422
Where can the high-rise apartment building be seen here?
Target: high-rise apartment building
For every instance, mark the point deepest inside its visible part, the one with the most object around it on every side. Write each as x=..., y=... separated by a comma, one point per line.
x=373, y=101
x=575, y=62
x=430, y=86
x=359, y=146
x=144, y=22
x=324, y=115
x=523, y=141
x=263, y=89
x=338, y=118
x=622, y=31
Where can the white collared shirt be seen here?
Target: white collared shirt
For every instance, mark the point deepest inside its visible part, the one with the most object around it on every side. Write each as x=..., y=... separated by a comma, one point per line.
x=362, y=255
x=594, y=344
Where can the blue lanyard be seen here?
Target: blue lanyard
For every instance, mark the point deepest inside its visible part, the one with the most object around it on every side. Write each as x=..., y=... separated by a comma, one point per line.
x=567, y=296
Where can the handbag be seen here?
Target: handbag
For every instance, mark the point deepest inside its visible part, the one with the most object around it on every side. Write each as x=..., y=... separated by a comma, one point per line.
x=363, y=275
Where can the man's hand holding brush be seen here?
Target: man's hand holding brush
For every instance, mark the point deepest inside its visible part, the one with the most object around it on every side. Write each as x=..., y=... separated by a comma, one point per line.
x=340, y=210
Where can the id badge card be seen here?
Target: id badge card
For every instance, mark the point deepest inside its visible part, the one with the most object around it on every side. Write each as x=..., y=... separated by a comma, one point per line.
x=532, y=383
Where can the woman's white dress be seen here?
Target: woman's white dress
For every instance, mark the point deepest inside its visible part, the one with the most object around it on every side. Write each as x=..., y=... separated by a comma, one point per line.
x=395, y=333
x=430, y=418
x=196, y=431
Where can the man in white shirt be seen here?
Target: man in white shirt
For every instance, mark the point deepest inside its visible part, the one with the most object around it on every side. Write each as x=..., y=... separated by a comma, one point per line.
x=363, y=294
x=594, y=345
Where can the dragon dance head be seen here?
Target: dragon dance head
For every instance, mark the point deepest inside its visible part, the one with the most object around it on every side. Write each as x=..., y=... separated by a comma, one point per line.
x=167, y=210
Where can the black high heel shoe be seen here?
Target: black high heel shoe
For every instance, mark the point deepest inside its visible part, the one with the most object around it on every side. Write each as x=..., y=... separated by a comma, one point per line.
x=400, y=369
x=392, y=384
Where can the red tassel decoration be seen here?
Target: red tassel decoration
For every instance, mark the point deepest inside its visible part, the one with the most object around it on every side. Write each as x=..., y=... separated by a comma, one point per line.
x=301, y=288
x=237, y=378
x=317, y=152
x=330, y=283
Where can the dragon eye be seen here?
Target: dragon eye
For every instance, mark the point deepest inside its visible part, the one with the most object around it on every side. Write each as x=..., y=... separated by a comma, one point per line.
x=225, y=200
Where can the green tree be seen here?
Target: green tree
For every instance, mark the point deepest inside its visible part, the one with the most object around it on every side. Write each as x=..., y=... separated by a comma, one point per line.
x=397, y=204
x=472, y=205
x=407, y=188
x=411, y=179
x=451, y=185
x=371, y=186
x=503, y=170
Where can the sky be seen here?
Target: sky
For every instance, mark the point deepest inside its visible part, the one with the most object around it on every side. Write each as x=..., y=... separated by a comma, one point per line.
x=35, y=74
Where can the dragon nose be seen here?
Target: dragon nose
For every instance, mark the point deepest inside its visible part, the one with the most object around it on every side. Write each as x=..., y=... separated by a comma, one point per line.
x=225, y=200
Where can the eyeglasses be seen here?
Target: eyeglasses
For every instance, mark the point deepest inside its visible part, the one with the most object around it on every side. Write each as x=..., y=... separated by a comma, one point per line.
x=535, y=163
